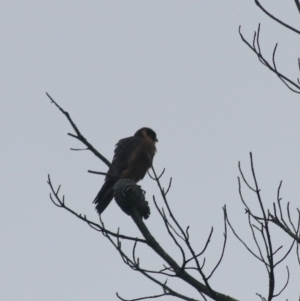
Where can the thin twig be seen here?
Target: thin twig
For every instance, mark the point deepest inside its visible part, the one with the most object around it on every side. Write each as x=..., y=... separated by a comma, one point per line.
x=61, y=203
x=298, y=5
x=98, y=172
x=286, y=284
x=235, y=234
x=223, y=250
x=276, y=19
x=183, y=233
x=204, y=249
x=256, y=50
x=78, y=135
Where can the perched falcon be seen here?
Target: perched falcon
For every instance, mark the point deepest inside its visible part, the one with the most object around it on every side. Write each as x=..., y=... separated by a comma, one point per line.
x=133, y=157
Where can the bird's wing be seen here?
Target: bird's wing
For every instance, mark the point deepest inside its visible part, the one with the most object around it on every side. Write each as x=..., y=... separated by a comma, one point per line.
x=123, y=152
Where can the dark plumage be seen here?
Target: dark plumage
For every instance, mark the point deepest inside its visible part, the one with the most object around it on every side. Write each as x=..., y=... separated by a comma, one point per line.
x=132, y=158
x=128, y=194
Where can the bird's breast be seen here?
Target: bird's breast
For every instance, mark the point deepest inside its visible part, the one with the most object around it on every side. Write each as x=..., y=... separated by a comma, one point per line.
x=140, y=161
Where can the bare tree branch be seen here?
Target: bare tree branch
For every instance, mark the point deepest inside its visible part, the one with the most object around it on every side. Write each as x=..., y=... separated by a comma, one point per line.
x=298, y=5
x=78, y=135
x=286, y=284
x=142, y=298
x=183, y=233
x=98, y=172
x=276, y=19
x=255, y=47
x=61, y=203
x=293, y=232
x=223, y=250
x=237, y=236
x=261, y=226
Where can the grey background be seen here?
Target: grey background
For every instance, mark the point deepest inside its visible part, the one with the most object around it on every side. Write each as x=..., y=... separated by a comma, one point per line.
x=178, y=67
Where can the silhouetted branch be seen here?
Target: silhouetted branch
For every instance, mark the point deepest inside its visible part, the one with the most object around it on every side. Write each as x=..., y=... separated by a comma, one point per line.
x=134, y=264
x=98, y=172
x=61, y=203
x=142, y=298
x=276, y=19
x=223, y=250
x=169, y=187
x=203, y=250
x=262, y=227
x=298, y=5
x=169, y=228
x=265, y=232
x=292, y=231
x=255, y=47
x=78, y=135
x=286, y=284
x=285, y=255
x=183, y=233
x=238, y=237
x=180, y=272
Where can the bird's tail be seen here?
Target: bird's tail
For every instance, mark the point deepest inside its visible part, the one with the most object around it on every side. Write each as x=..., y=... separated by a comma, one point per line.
x=104, y=196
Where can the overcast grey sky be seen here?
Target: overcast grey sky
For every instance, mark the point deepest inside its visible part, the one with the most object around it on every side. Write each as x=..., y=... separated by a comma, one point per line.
x=178, y=67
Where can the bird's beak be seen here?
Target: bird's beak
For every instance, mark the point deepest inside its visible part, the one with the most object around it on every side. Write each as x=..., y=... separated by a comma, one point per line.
x=156, y=140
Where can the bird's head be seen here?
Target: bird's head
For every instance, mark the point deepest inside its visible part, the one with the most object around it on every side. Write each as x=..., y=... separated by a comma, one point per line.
x=146, y=133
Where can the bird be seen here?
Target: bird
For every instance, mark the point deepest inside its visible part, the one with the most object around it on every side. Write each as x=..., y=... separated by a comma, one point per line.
x=133, y=156
x=128, y=194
